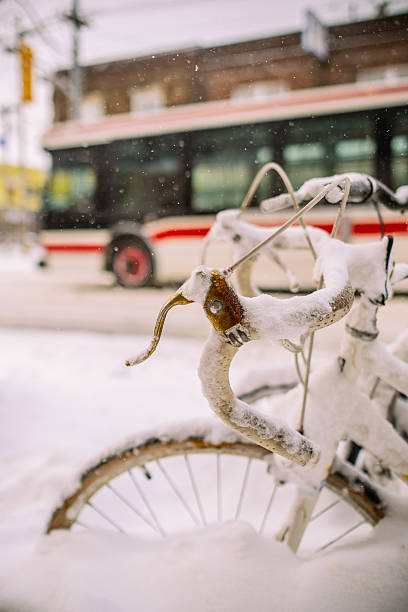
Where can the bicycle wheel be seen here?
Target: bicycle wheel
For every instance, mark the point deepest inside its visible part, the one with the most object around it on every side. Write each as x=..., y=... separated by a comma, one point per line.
x=163, y=486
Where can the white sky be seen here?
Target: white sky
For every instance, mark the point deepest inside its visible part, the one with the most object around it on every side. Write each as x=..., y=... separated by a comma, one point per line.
x=127, y=28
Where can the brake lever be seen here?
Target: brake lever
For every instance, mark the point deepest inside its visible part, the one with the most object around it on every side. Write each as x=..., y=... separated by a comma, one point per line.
x=225, y=311
x=221, y=305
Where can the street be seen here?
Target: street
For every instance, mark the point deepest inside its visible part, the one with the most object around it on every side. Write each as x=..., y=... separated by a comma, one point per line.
x=76, y=295
x=81, y=297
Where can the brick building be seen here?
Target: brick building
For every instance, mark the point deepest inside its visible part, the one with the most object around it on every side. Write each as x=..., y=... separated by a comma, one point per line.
x=365, y=51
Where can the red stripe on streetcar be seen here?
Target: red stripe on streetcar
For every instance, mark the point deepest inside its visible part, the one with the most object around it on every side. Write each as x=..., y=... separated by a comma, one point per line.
x=373, y=228
x=363, y=228
x=82, y=248
x=369, y=227
x=181, y=232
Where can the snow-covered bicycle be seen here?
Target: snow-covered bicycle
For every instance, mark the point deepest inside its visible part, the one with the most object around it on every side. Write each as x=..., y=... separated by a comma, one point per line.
x=230, y=227
x=124, y=490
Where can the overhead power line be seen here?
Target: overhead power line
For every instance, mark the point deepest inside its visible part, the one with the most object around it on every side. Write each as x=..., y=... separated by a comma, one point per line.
x=39, y=25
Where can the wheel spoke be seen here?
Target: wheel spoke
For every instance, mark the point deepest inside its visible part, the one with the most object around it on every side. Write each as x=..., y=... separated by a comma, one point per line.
x=131, y=506
x=147, y=503
x=177, y=492
x=343, y=535
x=268, y=509
x=105, y=516
x=195, y=489
x=243, y=488
x=321, y=512
x=219, y=489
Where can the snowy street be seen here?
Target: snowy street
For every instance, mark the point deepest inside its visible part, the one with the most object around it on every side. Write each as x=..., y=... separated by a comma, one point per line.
x=76, y=295
x=80, y=296
x=65, y=397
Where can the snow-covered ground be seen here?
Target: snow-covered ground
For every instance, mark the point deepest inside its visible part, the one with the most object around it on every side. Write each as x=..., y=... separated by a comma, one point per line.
x=66, y=396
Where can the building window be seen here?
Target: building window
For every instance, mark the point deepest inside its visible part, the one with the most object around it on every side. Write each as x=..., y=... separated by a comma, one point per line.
x=144, y=99
x=92, y=107
x=387, y=74
x=258, y=90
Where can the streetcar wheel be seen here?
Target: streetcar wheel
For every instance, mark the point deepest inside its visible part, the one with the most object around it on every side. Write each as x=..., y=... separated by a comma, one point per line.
x=132, y=264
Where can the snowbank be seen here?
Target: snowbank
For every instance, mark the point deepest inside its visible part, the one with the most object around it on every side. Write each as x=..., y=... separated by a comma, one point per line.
x=66, y=396
x=220, y=568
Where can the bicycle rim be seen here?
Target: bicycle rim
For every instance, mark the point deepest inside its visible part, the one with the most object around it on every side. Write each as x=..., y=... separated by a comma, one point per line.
x=160, y=488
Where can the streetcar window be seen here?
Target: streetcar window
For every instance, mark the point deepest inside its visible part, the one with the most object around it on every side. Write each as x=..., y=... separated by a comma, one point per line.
x=305, y=150
x=296, y=153
x=328, y=145
x=354, y=144
x=71, y=187
x=147, y=177
x=399, y=150
x=399, y=146
x=224, y=162
x=355, y=149
x=303, y=161
x=219, y=183
x=355, y=155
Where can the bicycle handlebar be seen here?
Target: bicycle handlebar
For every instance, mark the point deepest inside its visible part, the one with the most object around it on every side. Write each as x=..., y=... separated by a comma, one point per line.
x=237, y=320
x=363, y=188
x=234, y=321
x=272, y=434
x=393, y=200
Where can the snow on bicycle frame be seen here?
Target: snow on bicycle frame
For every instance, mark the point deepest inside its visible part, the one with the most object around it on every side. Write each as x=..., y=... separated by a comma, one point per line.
x=237, y=320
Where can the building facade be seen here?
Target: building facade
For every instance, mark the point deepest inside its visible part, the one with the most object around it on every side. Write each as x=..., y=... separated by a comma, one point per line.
x=367, y=51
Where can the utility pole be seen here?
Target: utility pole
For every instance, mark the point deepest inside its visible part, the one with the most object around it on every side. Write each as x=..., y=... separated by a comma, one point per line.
x=76, y=71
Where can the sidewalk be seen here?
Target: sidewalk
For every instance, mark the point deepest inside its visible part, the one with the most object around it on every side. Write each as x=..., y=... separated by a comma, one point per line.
x=89, y=301
x=83, y=300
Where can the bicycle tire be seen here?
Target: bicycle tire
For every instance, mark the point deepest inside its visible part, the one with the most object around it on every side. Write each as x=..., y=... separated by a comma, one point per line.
x=345, y=482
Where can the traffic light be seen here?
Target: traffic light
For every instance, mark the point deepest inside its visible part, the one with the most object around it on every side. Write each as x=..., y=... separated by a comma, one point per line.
x=26, y=58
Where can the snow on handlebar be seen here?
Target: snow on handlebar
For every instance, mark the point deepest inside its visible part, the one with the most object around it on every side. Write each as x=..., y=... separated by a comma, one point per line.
x=237, y=320
x=363, y=188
